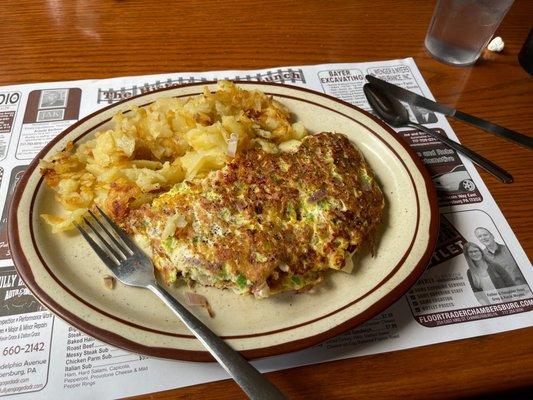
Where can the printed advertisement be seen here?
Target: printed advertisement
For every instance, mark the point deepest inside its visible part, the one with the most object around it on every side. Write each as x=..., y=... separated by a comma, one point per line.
x=479, y=278
x=48, y=112
x=9, y=105
x=473, y=275
x=25, y=336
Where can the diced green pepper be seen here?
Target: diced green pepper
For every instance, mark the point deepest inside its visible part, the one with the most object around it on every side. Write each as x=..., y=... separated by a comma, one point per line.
x=324, y=205
x=170, y=243
x=241, y=281
x=296, y=280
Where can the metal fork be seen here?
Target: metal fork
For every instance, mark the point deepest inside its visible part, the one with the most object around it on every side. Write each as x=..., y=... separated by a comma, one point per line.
x=133, y=267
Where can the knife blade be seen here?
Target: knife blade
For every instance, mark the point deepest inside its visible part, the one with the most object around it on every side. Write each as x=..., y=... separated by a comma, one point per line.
x=423, y=102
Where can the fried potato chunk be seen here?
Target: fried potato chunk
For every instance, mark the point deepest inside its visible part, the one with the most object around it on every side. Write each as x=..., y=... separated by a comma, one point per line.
x=152, y=148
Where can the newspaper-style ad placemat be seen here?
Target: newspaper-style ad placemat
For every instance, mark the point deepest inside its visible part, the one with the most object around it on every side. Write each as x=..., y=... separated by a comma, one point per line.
x=43, y=357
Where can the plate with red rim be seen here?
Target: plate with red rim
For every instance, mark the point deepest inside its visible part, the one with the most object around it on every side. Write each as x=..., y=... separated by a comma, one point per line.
x=67, y=277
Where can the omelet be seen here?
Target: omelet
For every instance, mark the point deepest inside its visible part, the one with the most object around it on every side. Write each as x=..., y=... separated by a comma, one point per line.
x=265, y=223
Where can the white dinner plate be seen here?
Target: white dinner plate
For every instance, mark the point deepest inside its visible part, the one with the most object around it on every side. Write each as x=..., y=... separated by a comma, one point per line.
x=67, y=277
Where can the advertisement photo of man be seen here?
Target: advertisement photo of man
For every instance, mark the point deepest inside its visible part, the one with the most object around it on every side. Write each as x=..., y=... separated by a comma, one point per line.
x=499, y=254
x=53, y=98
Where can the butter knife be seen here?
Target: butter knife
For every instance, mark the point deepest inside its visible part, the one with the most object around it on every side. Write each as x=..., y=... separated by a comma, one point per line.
x=423, y=102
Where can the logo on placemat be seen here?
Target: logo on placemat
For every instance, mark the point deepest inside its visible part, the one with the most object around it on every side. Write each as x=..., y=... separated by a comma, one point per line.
x=49, y=105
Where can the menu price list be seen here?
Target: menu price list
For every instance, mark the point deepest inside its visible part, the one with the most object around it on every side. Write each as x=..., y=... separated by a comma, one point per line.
x=25, y=352
x=89, y=361
x=379, y=328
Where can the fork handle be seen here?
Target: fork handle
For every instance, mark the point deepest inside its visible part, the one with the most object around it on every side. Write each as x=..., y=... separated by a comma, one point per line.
x=254, y=384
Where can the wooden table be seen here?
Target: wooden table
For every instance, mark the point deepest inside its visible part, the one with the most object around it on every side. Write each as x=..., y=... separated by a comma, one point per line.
x=73, y=39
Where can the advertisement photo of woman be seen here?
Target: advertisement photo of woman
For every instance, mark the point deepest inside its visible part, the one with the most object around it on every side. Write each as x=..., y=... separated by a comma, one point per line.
x=484, y=275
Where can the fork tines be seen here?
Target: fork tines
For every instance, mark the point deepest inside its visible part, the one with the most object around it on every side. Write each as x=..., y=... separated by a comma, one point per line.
x=115, y=246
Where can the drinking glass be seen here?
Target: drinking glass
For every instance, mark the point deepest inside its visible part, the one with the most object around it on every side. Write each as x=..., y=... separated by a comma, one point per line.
x=461, y=29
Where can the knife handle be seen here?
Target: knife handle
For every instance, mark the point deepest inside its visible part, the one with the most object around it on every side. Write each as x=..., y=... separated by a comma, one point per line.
x=476, y=158
x=509, y=134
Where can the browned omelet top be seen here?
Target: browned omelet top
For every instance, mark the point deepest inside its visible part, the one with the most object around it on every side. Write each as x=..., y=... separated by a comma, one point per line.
x=275, y=219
